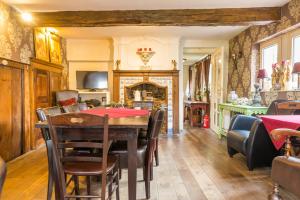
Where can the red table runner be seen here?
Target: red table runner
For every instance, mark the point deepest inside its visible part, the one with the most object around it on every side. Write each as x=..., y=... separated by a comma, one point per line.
x=272, y=122
x=117, y=112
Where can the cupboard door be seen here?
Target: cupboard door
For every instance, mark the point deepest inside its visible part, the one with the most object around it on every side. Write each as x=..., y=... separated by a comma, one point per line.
x=10, y=113
x=41, y=84
x=42, y=97
x=55, y=85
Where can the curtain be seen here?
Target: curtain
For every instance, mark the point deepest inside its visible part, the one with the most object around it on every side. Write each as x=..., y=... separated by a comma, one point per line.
x=201, y=70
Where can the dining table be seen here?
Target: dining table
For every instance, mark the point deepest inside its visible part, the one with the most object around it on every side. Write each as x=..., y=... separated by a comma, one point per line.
x=124, y=125
x=272, y=122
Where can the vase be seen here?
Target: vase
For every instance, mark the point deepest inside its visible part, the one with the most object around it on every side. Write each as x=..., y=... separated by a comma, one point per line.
x=232, y=97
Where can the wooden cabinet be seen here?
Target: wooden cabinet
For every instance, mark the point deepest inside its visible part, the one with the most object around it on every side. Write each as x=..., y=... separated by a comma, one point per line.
x=11, y=109
x=46, y=80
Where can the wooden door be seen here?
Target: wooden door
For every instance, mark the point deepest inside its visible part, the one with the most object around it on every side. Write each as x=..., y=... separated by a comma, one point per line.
x=217, y=89
x=10, y=112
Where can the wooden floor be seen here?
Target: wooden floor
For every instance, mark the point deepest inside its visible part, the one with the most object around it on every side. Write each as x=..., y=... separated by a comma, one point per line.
x=193, y=166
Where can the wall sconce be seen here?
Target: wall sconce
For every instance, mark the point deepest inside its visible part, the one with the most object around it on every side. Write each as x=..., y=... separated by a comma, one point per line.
x=235, y=58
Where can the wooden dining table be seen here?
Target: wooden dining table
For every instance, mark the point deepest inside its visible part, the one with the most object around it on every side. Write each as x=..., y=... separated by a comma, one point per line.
x=124, y=129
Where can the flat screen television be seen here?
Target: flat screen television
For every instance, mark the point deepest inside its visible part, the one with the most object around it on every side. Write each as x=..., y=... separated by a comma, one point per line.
x=92, y=80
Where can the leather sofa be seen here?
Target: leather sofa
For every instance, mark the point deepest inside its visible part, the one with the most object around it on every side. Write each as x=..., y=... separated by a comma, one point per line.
x=248, y=136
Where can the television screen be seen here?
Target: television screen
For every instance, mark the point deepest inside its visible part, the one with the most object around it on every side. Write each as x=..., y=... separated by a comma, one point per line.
x=91, y=80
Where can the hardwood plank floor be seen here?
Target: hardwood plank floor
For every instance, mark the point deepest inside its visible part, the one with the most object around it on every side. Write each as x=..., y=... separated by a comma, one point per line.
x=193, y=166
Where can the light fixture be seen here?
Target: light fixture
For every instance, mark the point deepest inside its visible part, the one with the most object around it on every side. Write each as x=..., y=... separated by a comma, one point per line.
x=27, y=17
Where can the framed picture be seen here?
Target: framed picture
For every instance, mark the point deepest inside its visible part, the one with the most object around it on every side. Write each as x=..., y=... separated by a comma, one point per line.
x=55, y=48
x=41, y=44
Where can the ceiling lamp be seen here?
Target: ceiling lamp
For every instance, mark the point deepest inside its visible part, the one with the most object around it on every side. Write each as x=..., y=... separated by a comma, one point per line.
x=27, y=17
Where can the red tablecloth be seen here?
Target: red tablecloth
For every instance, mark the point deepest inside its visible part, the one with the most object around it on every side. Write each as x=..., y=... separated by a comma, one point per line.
x=272, y=122
x=117, y=112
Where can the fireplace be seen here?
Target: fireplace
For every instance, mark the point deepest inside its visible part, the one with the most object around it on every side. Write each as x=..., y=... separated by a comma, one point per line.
x=153, y=96
x=161, y=84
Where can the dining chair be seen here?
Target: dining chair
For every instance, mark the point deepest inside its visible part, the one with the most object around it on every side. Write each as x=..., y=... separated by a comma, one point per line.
x=286, y=169
x=75, y=107
x=81, y=130
x=145, y=150
x=143, y=137
x=42, y=116
x=2, y=174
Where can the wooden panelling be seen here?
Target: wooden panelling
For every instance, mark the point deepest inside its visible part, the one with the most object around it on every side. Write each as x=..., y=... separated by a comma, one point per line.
x=10, y=112
x=177, y=17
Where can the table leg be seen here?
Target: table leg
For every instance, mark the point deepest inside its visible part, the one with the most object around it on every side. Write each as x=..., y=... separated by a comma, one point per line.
x=132, y=163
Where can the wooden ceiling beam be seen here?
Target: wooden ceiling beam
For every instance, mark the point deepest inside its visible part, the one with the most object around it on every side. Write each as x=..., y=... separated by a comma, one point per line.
x=177, y=17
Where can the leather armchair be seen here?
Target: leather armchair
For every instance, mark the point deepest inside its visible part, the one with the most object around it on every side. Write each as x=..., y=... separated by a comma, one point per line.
x=66, y=94
x=248, y=136
x=2, y=174
x=286, y=169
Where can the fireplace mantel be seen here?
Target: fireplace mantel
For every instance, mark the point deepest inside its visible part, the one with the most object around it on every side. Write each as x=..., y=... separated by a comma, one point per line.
x=148, y=75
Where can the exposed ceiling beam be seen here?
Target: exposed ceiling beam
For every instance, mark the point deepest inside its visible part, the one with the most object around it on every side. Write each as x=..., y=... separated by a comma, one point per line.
x=178, y=17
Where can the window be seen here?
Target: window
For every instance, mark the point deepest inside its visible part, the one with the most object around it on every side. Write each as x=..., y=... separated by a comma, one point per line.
x=269, y=57
x=296, y=49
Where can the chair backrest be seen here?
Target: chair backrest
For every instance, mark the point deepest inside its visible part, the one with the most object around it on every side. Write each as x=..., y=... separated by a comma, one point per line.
x=78, y=130
x=66, y=94
x=288, y=107
x=156, y=124
x=272, y=110
x=43, y=112
x=2, y=174
x=75, y=108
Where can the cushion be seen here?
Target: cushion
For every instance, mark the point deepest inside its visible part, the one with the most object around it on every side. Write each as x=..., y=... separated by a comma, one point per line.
x=237, y=139
x=67, y=102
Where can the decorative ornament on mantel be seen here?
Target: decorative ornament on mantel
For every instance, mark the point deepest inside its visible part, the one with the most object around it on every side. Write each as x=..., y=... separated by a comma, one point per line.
x=118, y=63
x=174, y=63
x=145, y=55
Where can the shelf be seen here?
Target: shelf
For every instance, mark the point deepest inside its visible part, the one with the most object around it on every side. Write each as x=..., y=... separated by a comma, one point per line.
x=97, y=92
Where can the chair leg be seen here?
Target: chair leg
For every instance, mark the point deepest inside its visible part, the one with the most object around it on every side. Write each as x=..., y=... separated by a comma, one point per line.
x=275, y=194
x=147, y=180
x=156, y=154
x=231, y=151
x=88, y=185
x=118, y=186
x=76, y=186
x=151, y=171
x=50, y=186
x=110, y=190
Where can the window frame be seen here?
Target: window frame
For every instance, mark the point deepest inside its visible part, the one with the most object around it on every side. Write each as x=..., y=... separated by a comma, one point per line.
x=275, y=41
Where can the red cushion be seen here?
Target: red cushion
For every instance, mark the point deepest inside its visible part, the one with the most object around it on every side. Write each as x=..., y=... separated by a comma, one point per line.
x=67, y=102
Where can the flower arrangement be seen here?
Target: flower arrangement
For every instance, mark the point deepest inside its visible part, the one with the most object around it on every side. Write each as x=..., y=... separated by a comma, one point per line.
x=280, y=75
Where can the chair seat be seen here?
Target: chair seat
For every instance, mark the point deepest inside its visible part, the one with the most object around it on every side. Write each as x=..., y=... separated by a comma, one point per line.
x=238, y=140
x=286, y=172
x=120, y=148
x=89, y=168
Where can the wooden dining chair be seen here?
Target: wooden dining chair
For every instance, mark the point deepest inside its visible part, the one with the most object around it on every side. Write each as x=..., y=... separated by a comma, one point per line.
x=81, y=130
x=288, y=107
x=146, y=149
x=286, y=169
x=42, y=116
x=2, y=174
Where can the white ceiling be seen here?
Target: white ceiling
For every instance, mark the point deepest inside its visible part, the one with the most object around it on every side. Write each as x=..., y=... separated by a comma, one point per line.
x=204, y=33
x=56, y=5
